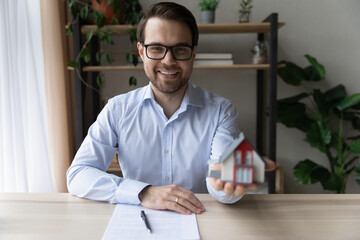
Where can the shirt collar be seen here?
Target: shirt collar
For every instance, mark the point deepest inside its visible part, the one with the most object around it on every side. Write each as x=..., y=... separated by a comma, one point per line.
x=191, y=96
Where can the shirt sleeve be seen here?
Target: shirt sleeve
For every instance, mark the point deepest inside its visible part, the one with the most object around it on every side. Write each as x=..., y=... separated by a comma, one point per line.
x=87, y=175
x=226, y=133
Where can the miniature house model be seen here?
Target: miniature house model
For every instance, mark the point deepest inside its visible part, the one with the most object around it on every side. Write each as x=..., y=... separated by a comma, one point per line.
x=241, y=164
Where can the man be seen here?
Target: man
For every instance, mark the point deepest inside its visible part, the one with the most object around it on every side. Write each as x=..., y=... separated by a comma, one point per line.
x=164, y=133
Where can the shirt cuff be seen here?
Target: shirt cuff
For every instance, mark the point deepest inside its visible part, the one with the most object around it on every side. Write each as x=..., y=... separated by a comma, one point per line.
x=128, y=191
x=221, y=196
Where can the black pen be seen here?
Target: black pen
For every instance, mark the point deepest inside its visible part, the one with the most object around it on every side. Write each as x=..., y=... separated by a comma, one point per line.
x=143, y=217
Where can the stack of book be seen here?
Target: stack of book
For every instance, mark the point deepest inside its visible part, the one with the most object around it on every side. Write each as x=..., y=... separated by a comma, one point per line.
x=213, y=59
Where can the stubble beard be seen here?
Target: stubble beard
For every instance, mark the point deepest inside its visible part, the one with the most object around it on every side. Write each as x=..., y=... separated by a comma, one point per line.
x=168, y=89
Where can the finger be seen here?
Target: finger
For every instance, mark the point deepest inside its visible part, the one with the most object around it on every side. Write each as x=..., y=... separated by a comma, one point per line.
x=219, y=185
x=229, y=188
x=189, y=205
x=239, y=190
x=189, y=200
x=253, y=187
x=177, y=208
x=270, y=165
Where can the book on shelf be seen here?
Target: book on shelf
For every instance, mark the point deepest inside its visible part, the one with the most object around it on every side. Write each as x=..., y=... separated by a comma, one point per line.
x=213, y=56
x=208, y=62
x=209, y=59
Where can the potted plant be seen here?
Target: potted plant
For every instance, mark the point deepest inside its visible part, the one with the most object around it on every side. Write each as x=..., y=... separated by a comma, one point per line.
x=331, y=123
x=207, y=10
x=244, y=12
x=102, y=12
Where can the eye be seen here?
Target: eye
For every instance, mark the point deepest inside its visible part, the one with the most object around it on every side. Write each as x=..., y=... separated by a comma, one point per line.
x=181, y=49
x=156, y=49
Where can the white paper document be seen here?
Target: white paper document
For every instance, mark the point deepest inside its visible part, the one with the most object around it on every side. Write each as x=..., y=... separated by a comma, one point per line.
x=126, y=223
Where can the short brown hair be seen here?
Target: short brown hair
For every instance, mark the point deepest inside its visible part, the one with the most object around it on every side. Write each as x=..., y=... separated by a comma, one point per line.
x=168, y=11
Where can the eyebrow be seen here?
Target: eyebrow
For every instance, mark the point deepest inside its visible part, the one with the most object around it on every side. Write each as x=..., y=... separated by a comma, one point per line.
x=177, y=44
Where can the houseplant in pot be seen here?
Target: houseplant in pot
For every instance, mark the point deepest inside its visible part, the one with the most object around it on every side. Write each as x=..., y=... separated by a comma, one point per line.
x=330, y=121
x=207, y=10
x=102, y=12
x=244, y=12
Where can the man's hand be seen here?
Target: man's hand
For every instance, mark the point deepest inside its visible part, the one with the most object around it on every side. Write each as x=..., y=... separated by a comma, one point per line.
x=229, y=188
x=172, y=197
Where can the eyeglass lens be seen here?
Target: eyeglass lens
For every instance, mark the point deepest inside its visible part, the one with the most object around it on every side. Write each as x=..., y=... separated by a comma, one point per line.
x=158, y=52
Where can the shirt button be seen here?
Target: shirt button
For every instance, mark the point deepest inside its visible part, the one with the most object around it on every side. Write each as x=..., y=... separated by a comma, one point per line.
x=167, y=178
x=166, y=151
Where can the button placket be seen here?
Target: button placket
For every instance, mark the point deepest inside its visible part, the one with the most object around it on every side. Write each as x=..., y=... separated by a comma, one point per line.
x=167, y=159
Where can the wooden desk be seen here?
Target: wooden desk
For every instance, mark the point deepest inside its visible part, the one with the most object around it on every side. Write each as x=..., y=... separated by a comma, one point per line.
x=61, y=216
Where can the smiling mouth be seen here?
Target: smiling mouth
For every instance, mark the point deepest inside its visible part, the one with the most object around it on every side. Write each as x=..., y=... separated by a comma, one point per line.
x=168, y=73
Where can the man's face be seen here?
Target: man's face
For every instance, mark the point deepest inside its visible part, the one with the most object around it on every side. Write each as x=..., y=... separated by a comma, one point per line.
x=167, y=75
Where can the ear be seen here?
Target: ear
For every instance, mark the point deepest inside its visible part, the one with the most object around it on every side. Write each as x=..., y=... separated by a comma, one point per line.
x=140, y=50
x=194, y=52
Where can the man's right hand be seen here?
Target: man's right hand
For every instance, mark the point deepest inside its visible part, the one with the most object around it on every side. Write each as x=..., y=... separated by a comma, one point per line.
x=172, y=197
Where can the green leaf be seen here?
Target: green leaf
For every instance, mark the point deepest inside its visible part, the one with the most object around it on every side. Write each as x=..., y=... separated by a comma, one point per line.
x=319, y=69
x=99, y=81
x=294, y=99
x=357, y=170
x=291, y=73
x=71, y=3
x=355, y=147
x=335, y=94
x=311, y=74
x=103, y=58
x=319, y=136
x=334, y=183
x=84, y=11
x=97, y=56
x=108, y=58
x=349, y=102
x=73, y=64
x=69, y=30
x=132, y=81
x=115, y=21
x=132, y=34
x=321, y=174
x=100, y=34
x=89, y=35
x=100, y=19
x=83, y=52
x=303, y=172
x=129, y=58
x=321, y=103
x=292, y=113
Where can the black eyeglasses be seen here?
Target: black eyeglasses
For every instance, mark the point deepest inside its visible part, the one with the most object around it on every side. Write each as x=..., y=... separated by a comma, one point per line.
x=158, y=51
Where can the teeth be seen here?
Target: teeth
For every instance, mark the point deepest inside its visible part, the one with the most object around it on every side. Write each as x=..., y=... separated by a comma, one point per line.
x=168, y=73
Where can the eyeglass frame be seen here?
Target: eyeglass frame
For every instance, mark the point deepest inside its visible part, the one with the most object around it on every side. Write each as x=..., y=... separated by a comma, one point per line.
x=167, y=49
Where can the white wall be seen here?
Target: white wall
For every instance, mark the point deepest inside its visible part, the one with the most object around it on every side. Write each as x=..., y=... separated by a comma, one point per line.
x=326, y=29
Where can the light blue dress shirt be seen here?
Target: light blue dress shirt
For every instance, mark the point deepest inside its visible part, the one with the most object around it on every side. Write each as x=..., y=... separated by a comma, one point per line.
x=153, y=149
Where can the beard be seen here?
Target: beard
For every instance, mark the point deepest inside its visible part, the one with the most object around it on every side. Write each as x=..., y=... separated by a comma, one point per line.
x=169, y=88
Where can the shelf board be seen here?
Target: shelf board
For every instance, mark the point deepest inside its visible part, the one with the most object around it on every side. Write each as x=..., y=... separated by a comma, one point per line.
x=263, y=27
x=132, y=68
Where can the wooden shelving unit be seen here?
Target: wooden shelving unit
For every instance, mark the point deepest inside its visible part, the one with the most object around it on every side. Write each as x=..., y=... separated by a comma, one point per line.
x=215, y=28
x=269, y=26
x=133, y=68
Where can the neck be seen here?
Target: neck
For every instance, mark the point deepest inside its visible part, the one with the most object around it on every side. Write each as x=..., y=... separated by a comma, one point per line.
x=170, y=102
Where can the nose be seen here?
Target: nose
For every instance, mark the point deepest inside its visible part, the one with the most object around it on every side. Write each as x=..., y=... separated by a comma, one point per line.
x=169, y=58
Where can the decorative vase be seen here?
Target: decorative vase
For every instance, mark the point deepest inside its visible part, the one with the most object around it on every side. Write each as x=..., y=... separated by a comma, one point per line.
x=259, y=53
x=207, y=16
x=244, y=16
x=108, y=10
